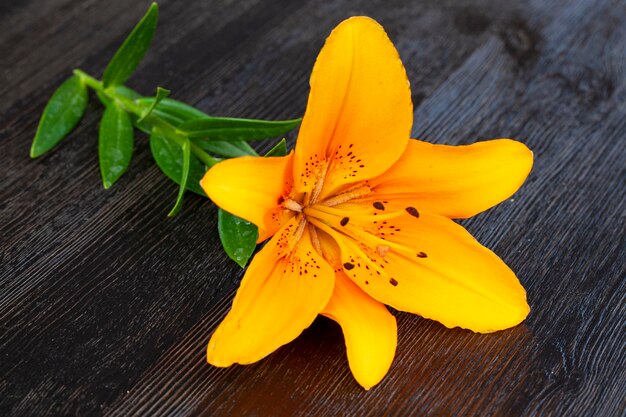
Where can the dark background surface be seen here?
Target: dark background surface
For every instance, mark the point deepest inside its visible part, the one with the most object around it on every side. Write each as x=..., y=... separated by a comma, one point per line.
x=106, y=305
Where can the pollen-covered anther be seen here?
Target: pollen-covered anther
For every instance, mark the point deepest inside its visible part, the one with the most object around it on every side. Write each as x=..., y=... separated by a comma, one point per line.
x=292, y=205
x=382, y=250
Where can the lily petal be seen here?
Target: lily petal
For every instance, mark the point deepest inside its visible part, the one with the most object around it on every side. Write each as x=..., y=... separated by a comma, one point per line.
x=370, y=331
x=454, y=181
x=431, y=266
x=359, y=114
x=252, y=188
x=280, y=295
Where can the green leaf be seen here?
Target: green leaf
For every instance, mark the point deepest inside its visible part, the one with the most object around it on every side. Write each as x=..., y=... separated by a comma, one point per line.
x=176, y=110
x=228, y=129
x=237, y=235
x=62, y=113
x=169, y=157
x=186, y=149
x=280, y=149
x=132, y=50
x=160, y=95
x=232, y=149
x=115, y=144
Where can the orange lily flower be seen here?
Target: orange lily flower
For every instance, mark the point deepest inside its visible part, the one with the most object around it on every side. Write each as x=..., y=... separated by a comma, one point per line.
x=359, y=216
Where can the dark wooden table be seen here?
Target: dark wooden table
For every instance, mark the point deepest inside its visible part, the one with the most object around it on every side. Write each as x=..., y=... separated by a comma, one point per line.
x=106, y=305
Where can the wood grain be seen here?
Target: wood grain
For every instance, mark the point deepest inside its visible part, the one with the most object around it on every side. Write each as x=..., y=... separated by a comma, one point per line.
x=106, y=305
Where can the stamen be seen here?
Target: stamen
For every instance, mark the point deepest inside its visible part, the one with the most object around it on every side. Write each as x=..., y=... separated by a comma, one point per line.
x=333, y=215
x=347, y=243
x=319, y=184
x=355, y=187
x=297, y=234
x=292, y=205
x=315, y=240
x=374, y=242
x=347, y=196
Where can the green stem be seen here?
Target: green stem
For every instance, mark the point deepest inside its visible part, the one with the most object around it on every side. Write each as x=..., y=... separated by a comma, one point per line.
x=88, y=80
x=130, y=105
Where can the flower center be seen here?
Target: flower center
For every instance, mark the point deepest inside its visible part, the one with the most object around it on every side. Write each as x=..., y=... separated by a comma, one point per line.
x=304, y=206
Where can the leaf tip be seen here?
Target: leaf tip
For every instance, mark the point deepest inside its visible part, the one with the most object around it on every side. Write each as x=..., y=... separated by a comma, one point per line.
x=34, y=152
x=241, y=263
x=154, y=9
x=174, y=211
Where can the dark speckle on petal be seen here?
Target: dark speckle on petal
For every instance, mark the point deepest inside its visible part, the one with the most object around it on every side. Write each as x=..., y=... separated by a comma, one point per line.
x=412, y=211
